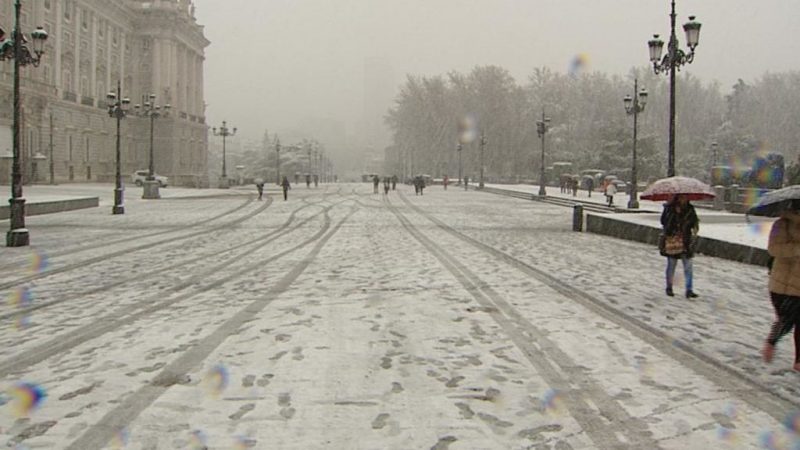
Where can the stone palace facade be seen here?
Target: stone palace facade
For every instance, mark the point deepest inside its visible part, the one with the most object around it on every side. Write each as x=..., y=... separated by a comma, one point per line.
x=151, y=46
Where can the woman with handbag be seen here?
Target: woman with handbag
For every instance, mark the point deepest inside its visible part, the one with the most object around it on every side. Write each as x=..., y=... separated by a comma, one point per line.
x=784, y=282
x=681, y=224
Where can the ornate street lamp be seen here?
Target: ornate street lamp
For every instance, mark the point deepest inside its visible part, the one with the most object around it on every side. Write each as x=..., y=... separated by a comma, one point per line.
x=671, y=62
x=541, y=129
x=153, y=111
x=118, y=108
x=15, y=48
x=224, y=132
x=633, y=106
x=483, y=144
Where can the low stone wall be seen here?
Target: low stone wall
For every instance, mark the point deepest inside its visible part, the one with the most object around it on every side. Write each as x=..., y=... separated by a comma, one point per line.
x=39, y=208
x=608, y=226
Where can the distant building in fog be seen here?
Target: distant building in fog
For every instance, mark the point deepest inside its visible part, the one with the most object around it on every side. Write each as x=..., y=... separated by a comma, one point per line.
x=153, y=46
x=379, y=89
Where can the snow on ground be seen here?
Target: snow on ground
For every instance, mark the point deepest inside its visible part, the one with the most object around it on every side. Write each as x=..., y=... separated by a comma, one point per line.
x=752, y=231
x=389, y=332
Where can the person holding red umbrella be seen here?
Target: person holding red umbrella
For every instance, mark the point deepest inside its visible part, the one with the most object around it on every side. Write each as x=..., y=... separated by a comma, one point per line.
x=681, y=225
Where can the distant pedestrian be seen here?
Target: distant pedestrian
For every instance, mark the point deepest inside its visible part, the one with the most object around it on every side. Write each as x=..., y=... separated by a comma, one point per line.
x=445, y=181
x=260, y=188
x=375, y=182
x=590, y=185
x=308, y=180
x=574, y=183
x=784, y=282
x=681, y=225
x=316, y=180
x=387, y=182
x=466, y=182
x=611, y=190
x=394, y=182
x=286, y=186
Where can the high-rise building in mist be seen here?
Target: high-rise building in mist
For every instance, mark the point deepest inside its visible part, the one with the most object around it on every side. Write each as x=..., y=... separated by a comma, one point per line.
x=379, y=90
x=153, y=46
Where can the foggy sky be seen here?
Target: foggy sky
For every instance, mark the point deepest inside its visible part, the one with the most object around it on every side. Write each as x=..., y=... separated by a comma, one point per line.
x=276, y=63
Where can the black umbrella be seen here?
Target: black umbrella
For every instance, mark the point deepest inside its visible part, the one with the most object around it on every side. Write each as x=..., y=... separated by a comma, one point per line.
x=773, y=203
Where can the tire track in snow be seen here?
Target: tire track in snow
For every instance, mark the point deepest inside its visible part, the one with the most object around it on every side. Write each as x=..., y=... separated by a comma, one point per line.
x=82, y=248
x=157, y=272
x=736, y=383
x=127, y=315
x=604, y=424
x=101, y=433
x=128, y=251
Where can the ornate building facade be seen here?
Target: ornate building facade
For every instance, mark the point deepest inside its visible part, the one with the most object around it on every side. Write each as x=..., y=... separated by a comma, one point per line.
x=149, y=47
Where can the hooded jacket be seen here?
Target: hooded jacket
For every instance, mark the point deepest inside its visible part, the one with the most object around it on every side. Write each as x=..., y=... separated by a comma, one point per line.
x=784, y=246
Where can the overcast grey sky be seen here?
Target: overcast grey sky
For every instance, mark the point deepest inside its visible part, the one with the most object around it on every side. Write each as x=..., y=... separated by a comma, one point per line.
x=274, y=63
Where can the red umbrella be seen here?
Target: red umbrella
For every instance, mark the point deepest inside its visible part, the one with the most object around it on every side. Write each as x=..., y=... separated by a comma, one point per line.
x=665, y=188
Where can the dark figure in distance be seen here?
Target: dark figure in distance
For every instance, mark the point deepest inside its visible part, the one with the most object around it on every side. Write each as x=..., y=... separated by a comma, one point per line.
x=394, y=182
x=308, y=180
x=260, y=187
x=386, y=183
x=286, y=186
x=466, y=183
x=316, y=180
x=419, y=184
x=574, y=187
x=375, y=182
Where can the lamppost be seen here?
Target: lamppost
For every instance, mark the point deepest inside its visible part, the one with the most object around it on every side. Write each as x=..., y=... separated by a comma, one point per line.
x=118, y=108
x=458, y=149
x=633, y=106
x=714, y=146
x=278, y=159
x=153, y=111
x=541, y=129
x=15, y=49
x=672, y=61
x=224, y=132
x=52, y=163
x=483, y=144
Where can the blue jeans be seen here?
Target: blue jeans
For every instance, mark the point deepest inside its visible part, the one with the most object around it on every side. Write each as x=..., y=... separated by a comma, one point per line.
x=672, y=263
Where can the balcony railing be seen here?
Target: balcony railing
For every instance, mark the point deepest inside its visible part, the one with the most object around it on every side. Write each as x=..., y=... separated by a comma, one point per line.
x=70, y=96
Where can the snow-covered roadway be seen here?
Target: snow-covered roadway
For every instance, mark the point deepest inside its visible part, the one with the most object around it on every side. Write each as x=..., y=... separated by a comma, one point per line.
x=346, y=319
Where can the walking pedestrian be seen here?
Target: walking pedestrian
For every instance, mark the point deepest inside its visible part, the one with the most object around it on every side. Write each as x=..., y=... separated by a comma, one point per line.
x=466, y=183
x=590, y=185
x=784, y=282
x=375, y=182
x=286, y=186
x=260, y=188
x=386, y=184
x=316, y=180
x=611, y=189
x=446, y=181
x=394, y=182
x=308, y=180
x=681, y=225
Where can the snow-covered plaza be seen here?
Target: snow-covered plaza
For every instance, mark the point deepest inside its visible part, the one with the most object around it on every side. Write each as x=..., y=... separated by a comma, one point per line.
x=343, y=319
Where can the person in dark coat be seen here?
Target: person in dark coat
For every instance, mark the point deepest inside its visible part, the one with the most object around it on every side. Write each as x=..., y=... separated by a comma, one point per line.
x=681, y=225
x=286, y=186
x=260, y=188
x=386, y=184
x=308, y=180
x=394, y=182
x=375, y=182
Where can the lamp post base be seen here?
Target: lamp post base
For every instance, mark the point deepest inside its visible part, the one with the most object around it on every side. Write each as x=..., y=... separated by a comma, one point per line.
x=224, y=183
x=17, y=238
x=633, y=204
x=118, y=208
x=542, y=191
x=150, y=191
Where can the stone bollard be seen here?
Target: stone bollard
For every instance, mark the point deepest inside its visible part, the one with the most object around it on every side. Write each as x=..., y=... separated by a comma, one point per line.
x=719, y=200
x=577, y=218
